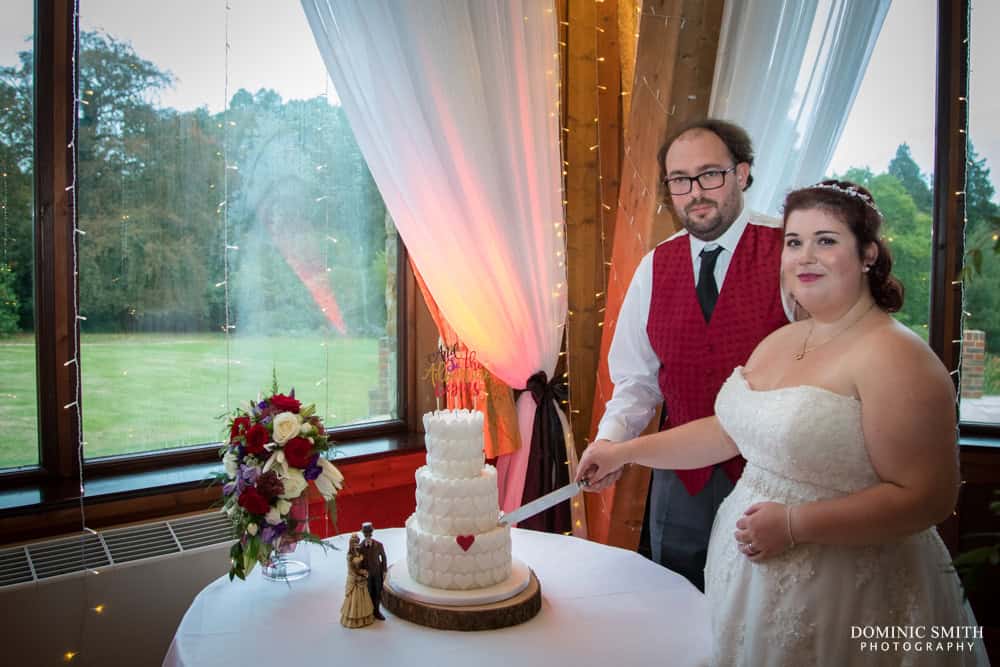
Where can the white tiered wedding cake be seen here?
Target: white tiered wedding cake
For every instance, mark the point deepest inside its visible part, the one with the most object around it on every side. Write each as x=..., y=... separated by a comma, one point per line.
x=453, y=540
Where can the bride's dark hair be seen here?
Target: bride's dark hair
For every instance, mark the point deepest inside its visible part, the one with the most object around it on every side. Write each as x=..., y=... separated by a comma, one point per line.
x=854, y=206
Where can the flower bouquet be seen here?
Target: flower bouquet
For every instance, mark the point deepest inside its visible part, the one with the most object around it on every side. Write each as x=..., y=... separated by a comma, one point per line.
x=274, y=451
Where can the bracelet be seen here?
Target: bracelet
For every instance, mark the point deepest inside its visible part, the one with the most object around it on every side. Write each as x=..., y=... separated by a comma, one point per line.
x=788, y=524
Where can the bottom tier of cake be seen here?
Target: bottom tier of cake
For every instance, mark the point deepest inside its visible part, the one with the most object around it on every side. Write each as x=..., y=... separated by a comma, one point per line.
x=458, y=562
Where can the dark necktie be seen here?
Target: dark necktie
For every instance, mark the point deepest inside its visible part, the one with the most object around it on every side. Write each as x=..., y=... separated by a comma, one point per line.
x=708, y=290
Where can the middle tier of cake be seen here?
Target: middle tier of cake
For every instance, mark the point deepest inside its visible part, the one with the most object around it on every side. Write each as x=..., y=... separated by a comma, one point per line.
x=448, y=506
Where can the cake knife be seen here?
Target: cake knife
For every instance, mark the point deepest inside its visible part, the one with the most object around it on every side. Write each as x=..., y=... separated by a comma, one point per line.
x=542, y=503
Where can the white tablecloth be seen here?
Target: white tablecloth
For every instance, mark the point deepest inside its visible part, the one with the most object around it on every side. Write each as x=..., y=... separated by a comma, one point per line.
x=600, y=606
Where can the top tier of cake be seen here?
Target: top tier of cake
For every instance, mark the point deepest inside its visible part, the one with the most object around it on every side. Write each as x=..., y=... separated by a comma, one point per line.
x=454, y=443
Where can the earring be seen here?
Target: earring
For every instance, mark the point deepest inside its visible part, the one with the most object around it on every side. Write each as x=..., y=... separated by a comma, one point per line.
x=868, y=267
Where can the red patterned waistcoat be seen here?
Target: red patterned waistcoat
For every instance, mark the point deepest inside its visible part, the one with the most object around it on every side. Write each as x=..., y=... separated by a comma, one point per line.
x=695, y=357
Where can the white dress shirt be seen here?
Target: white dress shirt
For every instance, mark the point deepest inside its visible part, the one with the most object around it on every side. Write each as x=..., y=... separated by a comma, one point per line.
x=632, y=363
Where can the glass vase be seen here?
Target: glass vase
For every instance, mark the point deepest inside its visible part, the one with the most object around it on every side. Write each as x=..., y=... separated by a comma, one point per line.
x=289, y=561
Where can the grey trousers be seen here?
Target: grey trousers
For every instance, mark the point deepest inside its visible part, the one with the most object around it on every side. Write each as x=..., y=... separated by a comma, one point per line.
x=680, y=524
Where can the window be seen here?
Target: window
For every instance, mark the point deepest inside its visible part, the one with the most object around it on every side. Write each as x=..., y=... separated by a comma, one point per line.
x=229, y=229
x=890, y=144
x=981, y=336
x=17, y=341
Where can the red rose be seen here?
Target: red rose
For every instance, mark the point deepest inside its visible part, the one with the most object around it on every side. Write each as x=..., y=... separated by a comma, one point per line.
x=239, y=427
x=253, y=502
x=257, y=437
x=284, y=403
x=298, y=452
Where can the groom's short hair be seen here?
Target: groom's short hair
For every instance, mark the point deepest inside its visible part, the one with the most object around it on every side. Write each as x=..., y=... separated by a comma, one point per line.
x=736, y=139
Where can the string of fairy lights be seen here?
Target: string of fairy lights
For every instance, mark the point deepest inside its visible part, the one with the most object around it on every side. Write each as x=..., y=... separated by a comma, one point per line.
x=224, y=209
x=605, y=208
x=74, y=405
x=328, y=238
x=5, y=230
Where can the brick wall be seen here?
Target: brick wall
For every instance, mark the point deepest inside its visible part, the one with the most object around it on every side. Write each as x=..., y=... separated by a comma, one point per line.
x=973, y=363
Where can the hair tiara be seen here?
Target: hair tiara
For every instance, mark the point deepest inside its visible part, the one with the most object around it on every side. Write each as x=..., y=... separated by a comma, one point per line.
x=850, y=191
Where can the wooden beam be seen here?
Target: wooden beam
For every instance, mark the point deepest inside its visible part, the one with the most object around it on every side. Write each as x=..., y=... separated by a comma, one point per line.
x=591, y=104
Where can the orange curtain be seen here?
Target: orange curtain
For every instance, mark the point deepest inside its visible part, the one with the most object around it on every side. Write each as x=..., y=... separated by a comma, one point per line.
x=494, y=398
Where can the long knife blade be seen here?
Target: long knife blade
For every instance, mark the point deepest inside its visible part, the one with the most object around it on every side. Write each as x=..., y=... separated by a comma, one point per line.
x=541, y=504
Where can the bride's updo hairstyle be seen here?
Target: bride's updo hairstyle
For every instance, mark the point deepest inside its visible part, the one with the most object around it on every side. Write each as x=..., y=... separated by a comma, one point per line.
x=854, y=206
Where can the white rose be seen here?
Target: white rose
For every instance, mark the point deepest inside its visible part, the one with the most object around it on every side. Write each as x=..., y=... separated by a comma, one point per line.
x=252, y=528
x=285, y=427
x=273, y=517
x=306, y=428
x=295, y=484
x=283, y=506
x=230, y=464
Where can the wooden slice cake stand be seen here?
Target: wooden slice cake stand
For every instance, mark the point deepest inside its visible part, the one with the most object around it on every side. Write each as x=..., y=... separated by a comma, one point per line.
x=510, y=602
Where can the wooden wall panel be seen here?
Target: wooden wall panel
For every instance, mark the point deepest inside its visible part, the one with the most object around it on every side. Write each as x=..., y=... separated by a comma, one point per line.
x=591, y=104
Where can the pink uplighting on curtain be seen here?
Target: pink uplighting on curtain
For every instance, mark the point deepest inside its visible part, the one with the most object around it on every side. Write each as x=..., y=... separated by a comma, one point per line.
x=454, y=104
x=318, y=284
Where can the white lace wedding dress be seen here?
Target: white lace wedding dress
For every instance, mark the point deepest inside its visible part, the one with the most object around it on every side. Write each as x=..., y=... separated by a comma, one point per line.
x=808, y=605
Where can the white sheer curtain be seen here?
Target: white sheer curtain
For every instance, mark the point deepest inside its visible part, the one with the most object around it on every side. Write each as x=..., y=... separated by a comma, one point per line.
x=788, y=71
x=454, y=104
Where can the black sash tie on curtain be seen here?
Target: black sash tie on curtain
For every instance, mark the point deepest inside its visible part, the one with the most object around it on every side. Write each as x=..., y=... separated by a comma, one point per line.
x=547, y=467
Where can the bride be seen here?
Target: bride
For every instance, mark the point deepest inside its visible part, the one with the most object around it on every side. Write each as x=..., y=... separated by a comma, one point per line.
x=826, y=553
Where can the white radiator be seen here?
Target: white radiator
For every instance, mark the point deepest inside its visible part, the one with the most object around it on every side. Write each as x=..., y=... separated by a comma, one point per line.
x=112, y=598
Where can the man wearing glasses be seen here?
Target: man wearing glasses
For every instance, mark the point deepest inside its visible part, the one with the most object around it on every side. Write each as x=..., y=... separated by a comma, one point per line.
x=697, y=306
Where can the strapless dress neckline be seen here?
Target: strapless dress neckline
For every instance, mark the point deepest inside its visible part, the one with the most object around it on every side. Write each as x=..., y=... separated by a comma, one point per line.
x=738, y=371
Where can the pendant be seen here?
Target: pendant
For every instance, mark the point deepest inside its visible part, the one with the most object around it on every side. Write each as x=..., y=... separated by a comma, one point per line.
x=799, y=356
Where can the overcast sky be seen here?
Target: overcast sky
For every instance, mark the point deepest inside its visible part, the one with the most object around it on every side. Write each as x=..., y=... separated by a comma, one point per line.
x=271, y=46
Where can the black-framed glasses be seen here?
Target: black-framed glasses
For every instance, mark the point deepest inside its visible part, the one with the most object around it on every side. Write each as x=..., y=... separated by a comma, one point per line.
x=713, y=179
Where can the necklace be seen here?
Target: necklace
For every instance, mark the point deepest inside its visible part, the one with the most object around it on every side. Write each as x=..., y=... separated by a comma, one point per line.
x=812, y=325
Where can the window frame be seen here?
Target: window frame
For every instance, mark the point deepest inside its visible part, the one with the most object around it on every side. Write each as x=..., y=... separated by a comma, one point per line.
x=57, y=330
x=948, y=233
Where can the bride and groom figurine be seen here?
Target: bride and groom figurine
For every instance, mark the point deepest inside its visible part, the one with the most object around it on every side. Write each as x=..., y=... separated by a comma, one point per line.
x=366, y=569
x=845, y=420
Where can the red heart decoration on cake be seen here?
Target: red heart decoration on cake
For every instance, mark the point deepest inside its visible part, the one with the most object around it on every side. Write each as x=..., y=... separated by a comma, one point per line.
x=465, y=541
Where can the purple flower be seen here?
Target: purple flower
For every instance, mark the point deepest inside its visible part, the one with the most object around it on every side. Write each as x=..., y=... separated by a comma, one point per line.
x=272, y=533
x=313, y=470
x=247, y=476
x=228, y=488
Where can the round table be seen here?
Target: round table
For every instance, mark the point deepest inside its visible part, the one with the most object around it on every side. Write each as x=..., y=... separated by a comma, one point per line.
x=600, y=606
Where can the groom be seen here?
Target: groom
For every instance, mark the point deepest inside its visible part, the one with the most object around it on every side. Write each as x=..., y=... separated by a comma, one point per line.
x=376, y=565
x=697, y=306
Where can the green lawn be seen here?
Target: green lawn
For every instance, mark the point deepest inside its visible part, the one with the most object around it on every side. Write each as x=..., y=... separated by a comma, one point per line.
x=145, y=392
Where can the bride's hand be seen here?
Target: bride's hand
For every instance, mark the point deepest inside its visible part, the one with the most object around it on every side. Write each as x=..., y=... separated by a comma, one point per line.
x=598, y=463
x=762, y=532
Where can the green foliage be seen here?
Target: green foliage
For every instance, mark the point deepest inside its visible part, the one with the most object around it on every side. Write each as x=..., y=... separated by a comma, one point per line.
x=8, y=301
x=982, y=241
x=907, y=233
x=991, y=378
x=907, y=172
x=905, y=199
x=155, y=193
